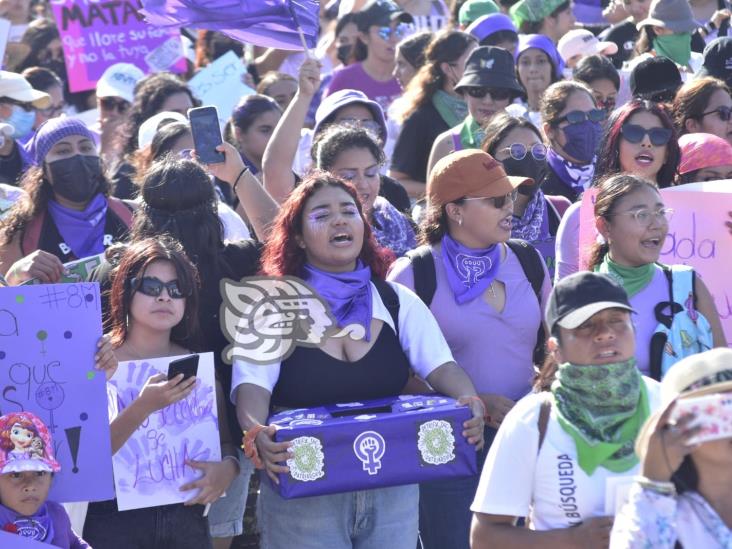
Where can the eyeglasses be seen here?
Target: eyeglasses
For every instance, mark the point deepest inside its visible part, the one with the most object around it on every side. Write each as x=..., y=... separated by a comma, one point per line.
x=27, y=107
x=724, y=112
x=52, y=111
x=644, y=217
x=114, y=103
x=635, y=134
x=577, y=117
x=498, y=201
x=518, y=151
x=371, y=125
x=153, y=287
x=400, y=31
x=497, y=94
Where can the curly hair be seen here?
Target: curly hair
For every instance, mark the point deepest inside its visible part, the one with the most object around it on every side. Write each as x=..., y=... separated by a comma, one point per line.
x=329, y=144
x=692, y=99
x=283, y=256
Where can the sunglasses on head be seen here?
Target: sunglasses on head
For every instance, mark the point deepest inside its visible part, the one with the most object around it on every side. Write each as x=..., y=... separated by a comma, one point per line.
x=497, y=94
x=577, y=117
x=153, y=287
x=114, y=103
x=724, y=113
x=400, y=31
x=518, y=151
x=635, y=134
x=498, y=201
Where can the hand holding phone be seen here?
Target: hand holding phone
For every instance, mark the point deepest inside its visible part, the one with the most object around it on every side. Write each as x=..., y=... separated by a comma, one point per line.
x=713, y=413
x=188, y=366
x=206, y=134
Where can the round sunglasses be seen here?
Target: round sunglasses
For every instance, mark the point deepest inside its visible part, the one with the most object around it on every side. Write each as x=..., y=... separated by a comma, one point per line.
x=497, y=94
x=153, y=287
x=724, y=113
x=635, y=134
x=518, y=151
x=577, y=117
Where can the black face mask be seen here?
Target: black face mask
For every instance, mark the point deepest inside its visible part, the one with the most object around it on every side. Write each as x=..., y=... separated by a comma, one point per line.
x=343, y=53
x=526, y=167
x=77, y=178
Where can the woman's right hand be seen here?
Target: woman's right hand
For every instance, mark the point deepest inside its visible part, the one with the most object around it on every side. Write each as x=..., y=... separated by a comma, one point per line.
x=272, y=453
x=664, y=444
x=44, y=266
x=496, y=408
x=159, y=392
x=593, y=533
x=309, y=78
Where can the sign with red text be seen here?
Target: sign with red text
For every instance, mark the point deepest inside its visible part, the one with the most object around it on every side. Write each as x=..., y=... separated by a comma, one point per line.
x=97, y=34
x=153, y=464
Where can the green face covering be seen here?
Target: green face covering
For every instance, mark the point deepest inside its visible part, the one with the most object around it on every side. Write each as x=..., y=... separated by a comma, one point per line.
x=676, y=47
x=633, y=279
x=602, y=408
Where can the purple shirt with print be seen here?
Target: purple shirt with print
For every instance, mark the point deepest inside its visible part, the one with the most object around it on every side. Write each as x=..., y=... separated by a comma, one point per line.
x=354, y=77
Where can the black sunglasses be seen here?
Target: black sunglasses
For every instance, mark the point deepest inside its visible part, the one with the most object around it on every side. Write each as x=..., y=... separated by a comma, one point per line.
x=498, y=201
x=724, y=112
x=577, y=117
x=114, y=103
x=497, y=94
x=635, y=134
x=153, y=287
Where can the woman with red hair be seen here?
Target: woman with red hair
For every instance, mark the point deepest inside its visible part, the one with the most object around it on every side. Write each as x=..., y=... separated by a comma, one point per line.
x=322, y=236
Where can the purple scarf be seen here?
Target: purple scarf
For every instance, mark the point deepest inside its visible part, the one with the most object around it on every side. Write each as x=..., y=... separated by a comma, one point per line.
x=38, y=527
x=575, y=176
x=469, y=271
x=531, y=225
x=348, y=294
x=83, y=231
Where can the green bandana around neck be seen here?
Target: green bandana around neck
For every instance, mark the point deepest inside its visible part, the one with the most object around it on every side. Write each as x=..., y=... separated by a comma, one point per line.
x=633, y=279
x=453, y=110
x=471, y=133
x=602, y=407
x=677, y=47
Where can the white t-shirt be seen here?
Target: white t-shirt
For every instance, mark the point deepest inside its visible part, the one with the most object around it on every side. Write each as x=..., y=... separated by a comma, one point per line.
x=419, y=336
x=234, y=227
x=551, y=489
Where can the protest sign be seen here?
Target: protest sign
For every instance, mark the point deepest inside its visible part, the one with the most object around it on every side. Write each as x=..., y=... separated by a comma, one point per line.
x=14, y=541
x=151, y=467
x=4, y=37
x=587, y=230
x=98, y=34
x=48, y=338
x=76, y=271
x=220, y=84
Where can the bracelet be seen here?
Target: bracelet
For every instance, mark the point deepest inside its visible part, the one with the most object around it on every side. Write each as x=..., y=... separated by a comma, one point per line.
x=663, y=488
x=238, y=177
x=486, y=417
x=250, y=448
x=235, y=459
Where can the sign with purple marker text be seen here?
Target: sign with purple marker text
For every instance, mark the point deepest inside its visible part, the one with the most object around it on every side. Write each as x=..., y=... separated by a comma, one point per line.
x=151, y=467
x=48, y=338
x=96, y=34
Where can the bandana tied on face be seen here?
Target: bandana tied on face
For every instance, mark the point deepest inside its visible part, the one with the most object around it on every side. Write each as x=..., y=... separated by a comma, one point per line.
x=348, y=294
x=470, y=271
x=602, y=407
x=533, y=225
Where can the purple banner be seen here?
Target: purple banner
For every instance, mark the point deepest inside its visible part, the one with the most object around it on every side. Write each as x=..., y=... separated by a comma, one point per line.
x=48, y=338
x=98, y=34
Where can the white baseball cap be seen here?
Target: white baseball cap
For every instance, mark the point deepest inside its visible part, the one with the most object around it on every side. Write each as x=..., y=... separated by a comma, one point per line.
x=149, y=127
x=583, y=42
x=14, y=86
x=119, y=80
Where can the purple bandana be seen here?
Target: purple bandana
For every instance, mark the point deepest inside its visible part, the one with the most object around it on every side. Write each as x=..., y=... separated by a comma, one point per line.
x=348, y=294
x=532, y=224
x=83, y=231
x=469, y=271
x=38, y=527
x=576, y=177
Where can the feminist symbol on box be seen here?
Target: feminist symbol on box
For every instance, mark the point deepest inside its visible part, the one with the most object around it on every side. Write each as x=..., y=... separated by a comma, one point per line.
x=369, y=448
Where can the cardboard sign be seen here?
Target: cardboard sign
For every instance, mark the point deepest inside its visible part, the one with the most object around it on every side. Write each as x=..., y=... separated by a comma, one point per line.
x=151, y=467
x=98, y=34
x=48, y=338
x=221, y=84
x=76, y=271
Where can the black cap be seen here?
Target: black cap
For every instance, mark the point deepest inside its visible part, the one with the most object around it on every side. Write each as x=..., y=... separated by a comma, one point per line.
x=655, y=78
x=491, y=67
x=718, y=60
x=381, y=13
x=579, y=296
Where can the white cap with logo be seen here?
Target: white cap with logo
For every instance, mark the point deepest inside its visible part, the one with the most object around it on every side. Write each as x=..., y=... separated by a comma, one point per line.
x=119, y=80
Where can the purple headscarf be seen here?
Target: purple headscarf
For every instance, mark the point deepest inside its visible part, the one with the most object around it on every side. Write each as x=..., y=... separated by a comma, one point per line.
x=545, y=44
x=51, y=132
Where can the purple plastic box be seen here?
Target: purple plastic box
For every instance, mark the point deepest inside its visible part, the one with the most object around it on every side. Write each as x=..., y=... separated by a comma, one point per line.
x=373, y=444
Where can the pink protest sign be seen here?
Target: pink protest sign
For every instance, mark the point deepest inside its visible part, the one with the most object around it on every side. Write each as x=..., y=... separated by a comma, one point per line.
x=587, y=230
x=98, y=34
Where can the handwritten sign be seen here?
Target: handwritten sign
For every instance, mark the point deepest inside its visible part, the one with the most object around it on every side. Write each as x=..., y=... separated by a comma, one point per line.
x=97, y=34
x=77, y=270
x=48, y=337
x=220, y=84
x=151, y=467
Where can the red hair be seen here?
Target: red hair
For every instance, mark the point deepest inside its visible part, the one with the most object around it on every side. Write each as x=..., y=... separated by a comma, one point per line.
x=24, y=421
x=283, y=256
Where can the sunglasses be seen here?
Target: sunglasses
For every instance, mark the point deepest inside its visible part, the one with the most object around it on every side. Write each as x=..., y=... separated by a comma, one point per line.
x=52, y=111
x=518, y=151
x=724, y=112
x=635, y=134
x=400, y=31
x=498, y=201
x=577, y=117
x=114, y=103
x=497, y=94
x=153, y=287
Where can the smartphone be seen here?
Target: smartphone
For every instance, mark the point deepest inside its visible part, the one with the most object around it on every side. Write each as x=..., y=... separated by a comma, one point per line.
x=188, y=366
x=206, y=134
x=713, y=412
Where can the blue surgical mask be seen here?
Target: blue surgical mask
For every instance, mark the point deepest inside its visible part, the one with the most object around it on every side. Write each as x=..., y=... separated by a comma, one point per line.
x=22, y=121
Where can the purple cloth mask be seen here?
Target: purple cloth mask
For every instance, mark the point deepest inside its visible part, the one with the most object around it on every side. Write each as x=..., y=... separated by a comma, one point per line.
x=470, y=271
x=83, y=231
x=348, y=294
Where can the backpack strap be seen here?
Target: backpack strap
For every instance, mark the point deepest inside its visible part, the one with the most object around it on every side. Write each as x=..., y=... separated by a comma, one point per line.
x=390, y=298
x=544, y=411
x=532, y=264
x=425, y=276
x=32, y=234
x=121, y=210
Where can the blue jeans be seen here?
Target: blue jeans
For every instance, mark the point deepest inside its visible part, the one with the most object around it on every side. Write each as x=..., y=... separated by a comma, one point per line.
x=444, y=507
x=384, y=518
x=225, y=519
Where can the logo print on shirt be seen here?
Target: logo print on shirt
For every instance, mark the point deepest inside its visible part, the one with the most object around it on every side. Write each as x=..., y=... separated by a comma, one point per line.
x=369, y=448
x=471, y=268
